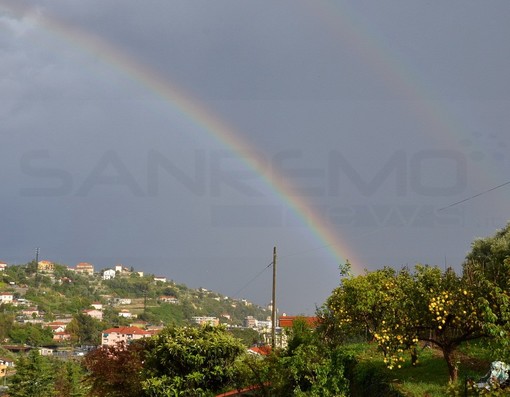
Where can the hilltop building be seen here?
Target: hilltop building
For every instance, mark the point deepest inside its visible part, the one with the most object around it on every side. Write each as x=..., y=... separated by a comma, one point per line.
x=45, y=266
x=84, y=268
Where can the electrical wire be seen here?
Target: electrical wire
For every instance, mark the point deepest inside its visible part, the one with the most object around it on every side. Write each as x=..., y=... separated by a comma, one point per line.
x=476, y=195
x=252, y=280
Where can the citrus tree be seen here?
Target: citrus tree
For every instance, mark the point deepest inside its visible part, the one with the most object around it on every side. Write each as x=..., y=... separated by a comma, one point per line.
x=399, y=309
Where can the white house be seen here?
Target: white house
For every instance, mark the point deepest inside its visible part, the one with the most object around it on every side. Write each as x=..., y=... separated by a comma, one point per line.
x=168, y=299
x=122, y=301
x=57, y=326
x=125, y=313
x=203, y=320
x=97, y=314
x=108, y=274
x=6, y=297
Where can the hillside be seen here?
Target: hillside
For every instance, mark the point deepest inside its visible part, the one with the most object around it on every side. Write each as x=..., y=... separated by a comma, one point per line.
x=61, y=292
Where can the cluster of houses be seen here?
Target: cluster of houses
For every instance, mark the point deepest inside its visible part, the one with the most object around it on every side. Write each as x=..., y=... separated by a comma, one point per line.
x=29, y=313
x=127, y=334
x=86, y=268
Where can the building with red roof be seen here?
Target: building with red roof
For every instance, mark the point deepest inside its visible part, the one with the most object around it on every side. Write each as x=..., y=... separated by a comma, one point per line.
x=288, y=321
x=115, y=336
x=264, y=350
x=85, y=268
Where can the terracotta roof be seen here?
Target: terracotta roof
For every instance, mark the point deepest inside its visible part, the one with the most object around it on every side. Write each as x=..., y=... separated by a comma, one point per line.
x=84, y=264
x=126, y=330
x=288, y=321
x=262, y=350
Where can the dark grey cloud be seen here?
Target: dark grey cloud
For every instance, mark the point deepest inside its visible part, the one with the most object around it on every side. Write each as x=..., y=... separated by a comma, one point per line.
x=378, y=115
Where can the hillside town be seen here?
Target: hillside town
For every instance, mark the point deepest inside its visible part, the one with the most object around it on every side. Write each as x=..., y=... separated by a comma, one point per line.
x=89, y=308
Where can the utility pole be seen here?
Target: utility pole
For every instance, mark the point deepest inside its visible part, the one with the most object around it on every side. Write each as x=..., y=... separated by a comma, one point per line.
x=273, y=306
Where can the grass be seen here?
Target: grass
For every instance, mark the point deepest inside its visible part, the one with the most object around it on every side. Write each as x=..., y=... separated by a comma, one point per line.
x=430, y=376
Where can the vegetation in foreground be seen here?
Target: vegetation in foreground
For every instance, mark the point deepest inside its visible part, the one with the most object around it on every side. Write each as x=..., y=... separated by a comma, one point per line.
x=413, y=332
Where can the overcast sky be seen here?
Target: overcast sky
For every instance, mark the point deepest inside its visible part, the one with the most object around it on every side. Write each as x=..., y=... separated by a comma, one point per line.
x=115, y=119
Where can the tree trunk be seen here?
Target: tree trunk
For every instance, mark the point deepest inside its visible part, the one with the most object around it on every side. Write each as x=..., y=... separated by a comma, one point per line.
x=449, y=356
x=414, y=356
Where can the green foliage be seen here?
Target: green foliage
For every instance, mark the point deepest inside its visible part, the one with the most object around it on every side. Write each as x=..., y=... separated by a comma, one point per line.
x=69, y=297
x=68, y=293
x=69, y=377
x=6, y=324
x=191, y=362
x=487, y=272
x=490, y=256
x=85, y=330
x=399, y=309
x=30, y=334
x=168, y=313
x=15, y=274
x=308, y=367
x=128, y=287
x=247, y=336
x=34, y=377
x=369, y=376
x=370, y=379
x=310, y=371
x=40, y=376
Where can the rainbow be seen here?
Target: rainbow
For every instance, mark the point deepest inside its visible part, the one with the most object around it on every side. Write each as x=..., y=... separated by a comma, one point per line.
x=191, y=109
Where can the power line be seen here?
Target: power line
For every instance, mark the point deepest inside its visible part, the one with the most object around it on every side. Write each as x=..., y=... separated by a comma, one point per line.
x=285, y=256
x=476, y=195
x=364, y=234
x=252, y=279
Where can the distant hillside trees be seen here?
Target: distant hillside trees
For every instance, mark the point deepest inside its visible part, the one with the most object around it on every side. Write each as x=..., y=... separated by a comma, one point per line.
x=85, y=330
x=30, y=334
